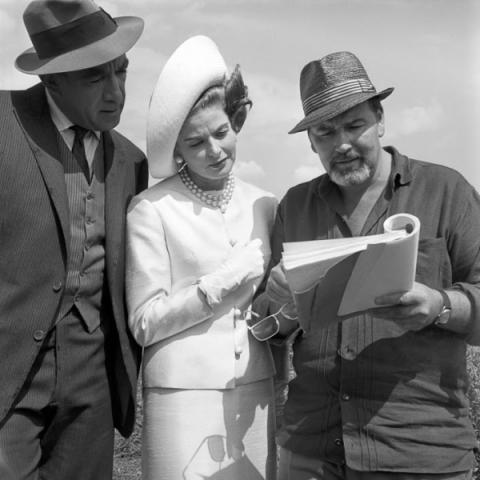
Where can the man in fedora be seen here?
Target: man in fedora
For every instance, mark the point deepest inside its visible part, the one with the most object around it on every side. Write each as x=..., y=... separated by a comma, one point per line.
x=69, y=366
x=382, y=394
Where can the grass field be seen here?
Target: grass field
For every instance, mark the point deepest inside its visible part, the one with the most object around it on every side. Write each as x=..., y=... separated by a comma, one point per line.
x=127, y=452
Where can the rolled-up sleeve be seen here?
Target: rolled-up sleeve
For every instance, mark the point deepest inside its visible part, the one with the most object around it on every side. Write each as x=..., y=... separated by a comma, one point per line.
x=464, y=248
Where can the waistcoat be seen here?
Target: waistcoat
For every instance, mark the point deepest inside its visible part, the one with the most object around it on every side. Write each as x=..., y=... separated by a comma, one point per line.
x=86, y=263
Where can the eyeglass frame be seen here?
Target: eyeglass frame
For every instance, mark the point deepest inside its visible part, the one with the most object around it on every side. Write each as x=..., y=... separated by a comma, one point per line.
x=268, y=318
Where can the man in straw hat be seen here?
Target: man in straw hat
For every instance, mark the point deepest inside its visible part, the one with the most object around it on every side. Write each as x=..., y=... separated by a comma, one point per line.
x=383, y=393
x=69, y=366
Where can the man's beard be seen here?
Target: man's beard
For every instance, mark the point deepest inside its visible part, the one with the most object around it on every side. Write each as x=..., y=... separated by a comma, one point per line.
x=351, y=176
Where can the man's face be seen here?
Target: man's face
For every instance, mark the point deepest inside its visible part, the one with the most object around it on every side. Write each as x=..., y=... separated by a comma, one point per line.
x=92, y=98
x=349, y=144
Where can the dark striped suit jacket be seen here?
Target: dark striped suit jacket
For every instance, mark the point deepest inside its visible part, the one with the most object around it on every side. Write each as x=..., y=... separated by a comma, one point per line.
x=34, y=240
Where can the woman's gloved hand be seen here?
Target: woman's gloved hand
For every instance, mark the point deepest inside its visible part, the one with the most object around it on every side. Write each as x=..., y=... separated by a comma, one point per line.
x=245, y=263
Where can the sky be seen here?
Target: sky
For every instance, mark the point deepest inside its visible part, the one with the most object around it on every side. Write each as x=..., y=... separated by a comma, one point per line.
x=428, y=50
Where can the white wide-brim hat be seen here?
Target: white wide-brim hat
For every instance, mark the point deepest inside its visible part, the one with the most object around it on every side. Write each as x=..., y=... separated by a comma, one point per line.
x=193, y=67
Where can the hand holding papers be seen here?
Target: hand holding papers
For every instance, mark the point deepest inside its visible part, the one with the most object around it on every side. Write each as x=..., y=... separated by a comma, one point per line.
x=352, y=272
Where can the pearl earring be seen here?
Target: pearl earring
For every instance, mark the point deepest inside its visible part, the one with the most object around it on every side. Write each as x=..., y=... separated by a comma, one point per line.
x=180, y=163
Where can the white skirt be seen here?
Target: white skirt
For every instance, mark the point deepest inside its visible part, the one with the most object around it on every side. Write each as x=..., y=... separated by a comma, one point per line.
x=209, y=434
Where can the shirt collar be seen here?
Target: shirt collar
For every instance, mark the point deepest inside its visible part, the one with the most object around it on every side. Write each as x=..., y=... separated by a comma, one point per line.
x=59, y=119
x=400, y=175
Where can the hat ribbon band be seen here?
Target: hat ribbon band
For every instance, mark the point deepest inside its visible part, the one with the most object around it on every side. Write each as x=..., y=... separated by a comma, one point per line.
x=73, y=35
x=334, y=93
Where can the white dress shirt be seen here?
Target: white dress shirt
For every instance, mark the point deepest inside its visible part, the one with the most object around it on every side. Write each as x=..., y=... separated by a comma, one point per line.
x=63, y=124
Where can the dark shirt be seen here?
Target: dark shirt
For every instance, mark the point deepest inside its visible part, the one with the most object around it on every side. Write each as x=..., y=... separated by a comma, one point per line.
x=368, y=392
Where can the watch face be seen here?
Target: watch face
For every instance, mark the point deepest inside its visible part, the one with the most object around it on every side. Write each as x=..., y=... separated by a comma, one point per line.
x=443, y=316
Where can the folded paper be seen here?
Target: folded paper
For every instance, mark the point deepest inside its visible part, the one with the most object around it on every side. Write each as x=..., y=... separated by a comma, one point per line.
x=356, y=270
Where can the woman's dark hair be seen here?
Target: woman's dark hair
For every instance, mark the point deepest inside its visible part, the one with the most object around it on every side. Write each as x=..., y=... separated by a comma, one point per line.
x=236, y=98
x=232, y=95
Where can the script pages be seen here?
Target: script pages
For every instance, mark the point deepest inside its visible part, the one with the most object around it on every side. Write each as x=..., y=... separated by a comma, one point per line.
x=349, y=273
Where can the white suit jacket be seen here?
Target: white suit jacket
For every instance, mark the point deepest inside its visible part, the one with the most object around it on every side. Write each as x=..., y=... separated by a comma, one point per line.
x=172, y=240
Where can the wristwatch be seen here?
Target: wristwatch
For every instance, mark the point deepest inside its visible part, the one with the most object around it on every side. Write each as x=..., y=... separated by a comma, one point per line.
x=444, y=316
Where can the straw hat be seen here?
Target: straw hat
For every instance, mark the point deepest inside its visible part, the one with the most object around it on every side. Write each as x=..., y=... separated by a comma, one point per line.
x=72, y=35
x=333, y=85
x=193, y=67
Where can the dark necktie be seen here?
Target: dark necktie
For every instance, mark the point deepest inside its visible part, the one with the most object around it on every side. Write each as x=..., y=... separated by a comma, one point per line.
x=78, y=150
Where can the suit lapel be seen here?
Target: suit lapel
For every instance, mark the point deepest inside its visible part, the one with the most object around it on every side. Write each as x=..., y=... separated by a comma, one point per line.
x=114, y=204
x=32, y=111
x=34, y=116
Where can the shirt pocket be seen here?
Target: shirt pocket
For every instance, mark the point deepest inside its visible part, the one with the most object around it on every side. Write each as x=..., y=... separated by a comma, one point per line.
x=433, y=263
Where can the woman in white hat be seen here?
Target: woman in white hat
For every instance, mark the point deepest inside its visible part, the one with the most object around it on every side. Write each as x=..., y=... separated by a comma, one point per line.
x=198, y=247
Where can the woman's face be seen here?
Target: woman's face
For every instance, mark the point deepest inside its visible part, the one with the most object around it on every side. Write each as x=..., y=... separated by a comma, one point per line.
x=207, y=144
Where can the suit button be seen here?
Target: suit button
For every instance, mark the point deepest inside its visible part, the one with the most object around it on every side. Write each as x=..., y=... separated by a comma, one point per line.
x=346, y=353
x=345, y=397
x=338, y=442
x=57, y=286
x=38, y=335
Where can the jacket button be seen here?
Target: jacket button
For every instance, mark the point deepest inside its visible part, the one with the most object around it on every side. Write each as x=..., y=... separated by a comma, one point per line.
x=57, y=286
x=346, y=353
x=346, y=397
x=338, y=442
x=38, y=335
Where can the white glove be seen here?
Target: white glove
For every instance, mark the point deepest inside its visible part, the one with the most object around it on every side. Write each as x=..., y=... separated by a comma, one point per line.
x=245, y=263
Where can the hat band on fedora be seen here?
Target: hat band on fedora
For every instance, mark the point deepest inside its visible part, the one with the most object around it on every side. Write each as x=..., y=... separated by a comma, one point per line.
x=71, y=36
x=334, y=93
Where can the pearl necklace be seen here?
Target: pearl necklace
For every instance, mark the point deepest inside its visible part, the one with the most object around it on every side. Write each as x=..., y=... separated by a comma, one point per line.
x=216, y=201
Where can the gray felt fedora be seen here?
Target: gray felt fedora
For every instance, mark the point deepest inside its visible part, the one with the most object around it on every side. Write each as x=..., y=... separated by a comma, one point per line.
x=72, y=35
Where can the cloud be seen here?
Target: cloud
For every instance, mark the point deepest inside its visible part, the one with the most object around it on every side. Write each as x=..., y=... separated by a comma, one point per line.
x=15, y=80
x=112, y=8
x=144, y=68
x=473, y=78
x=164, y=3
x=275, y=101
x=9, y=3
x=249, y=171
x=307, y=172
x=7, y=23
x=140, y=7
x=418, y=119
x=197, y=4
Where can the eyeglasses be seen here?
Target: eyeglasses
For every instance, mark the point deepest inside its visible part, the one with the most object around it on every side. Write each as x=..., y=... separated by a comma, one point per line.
x=267, y=327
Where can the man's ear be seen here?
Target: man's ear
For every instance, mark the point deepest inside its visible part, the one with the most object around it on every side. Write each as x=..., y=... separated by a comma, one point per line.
x=381, y=123
x=311, y=144
x=49, y=81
